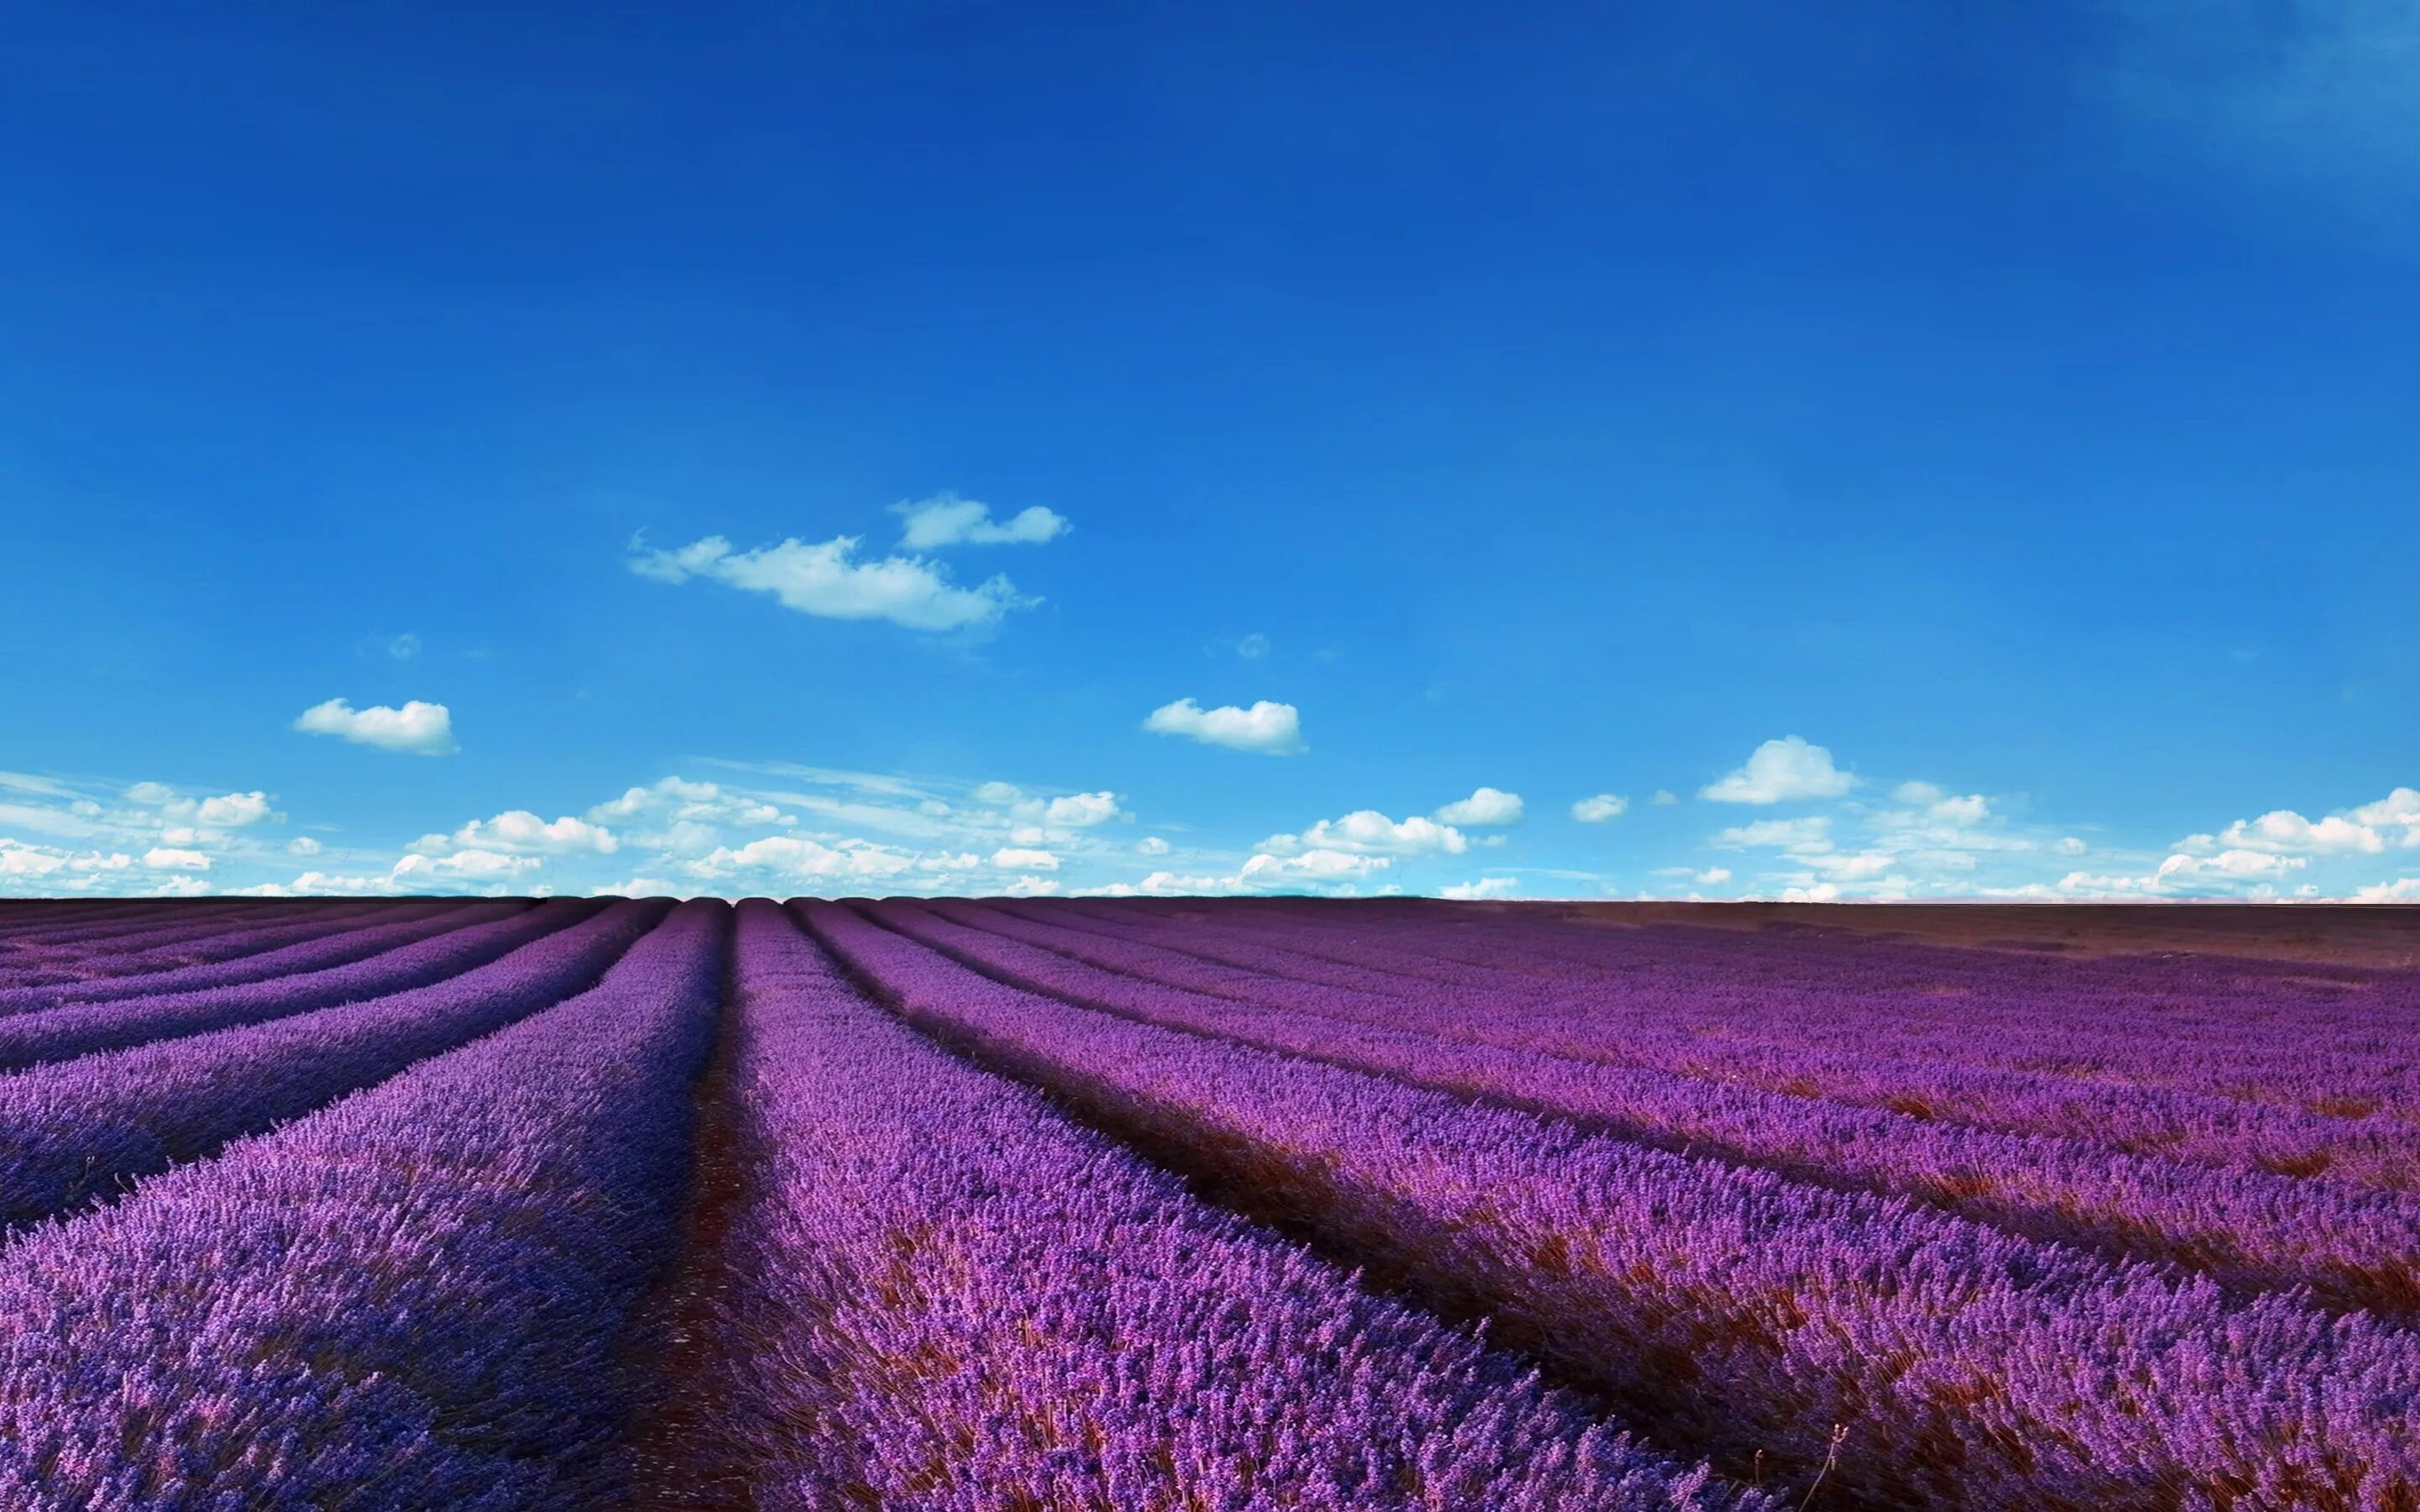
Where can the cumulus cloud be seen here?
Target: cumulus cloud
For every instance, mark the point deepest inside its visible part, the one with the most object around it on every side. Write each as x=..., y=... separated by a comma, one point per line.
x=422, y=729
x=1600, y=809
x=2069, y=845
x=2229, y=864
x=2400, y=808
x=2402, y=889
x=166, y=858
x=1368, y=832
x=1080, y=810
x=824, y=578
x=1010, y=858
x=519, y=831
x=1151, y=846
x=2284, y=831
x=1483, y=888
x=946, y=519
x=798, y=856
x=232, y=811
x=1487, y=806
x=1781, y=771
x=1270, y=729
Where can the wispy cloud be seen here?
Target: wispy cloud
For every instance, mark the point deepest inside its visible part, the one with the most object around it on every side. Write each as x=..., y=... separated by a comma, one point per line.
x=825, y=578
x=946, y=519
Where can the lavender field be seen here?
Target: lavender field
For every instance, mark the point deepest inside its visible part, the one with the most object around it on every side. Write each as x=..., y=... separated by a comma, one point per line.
x=1023, y=1206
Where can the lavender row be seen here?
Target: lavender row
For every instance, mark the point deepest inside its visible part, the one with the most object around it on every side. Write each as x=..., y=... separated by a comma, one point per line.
x=941, y=1296
x=248, y=954
x=105, y=967
x=52, y=1034
x=2279, y=1034
x=2248, y=1230
x=77, y=1132
x=160, y=924
x=1735, y=1311
x=417, y=1298
x=1617, y=1026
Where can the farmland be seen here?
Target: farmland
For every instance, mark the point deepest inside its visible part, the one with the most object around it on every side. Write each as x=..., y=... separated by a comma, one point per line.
x=1206, y=1204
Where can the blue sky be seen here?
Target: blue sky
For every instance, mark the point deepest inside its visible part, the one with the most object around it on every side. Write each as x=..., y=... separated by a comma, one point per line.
x=1856, y=451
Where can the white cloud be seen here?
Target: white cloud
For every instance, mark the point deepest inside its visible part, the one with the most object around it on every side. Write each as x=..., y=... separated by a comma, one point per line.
x=1321, y=865
x=2285, y=831
x=304, y=845
x=1862, y=866
x=1081, y=811
x=1483, y=888
x=1252, y=647
x=1031, y=888
x=181, y=888
x=1781, y=771
x=165, y=859
x=680, y=816
x=2069, y=845
x=422, y=729
x=1366, y=832
x=2229, y=864
x=1486, y=806
x=946, y=519
x=519, y=831
x=19, y=859
x=472, y=865
x=1664, y=799
x=2402, y=889
x=1600, y=809
x=823, y=578
x=1270, y=729
x=797, y=857
x=1008, y=860
x=1820, y=892
x=232, y=811
x=2400, y=807
x=1711, y=876
x=1151, y=846
x=1971, y=810
x=319, y=885
x=1921, y=794
x=1807, y=835
x=639, y=887
x=402, y=647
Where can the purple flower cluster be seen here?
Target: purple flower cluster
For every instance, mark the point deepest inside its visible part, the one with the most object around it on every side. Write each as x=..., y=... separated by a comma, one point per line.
x=415, y=1299
x=1735, y=1310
